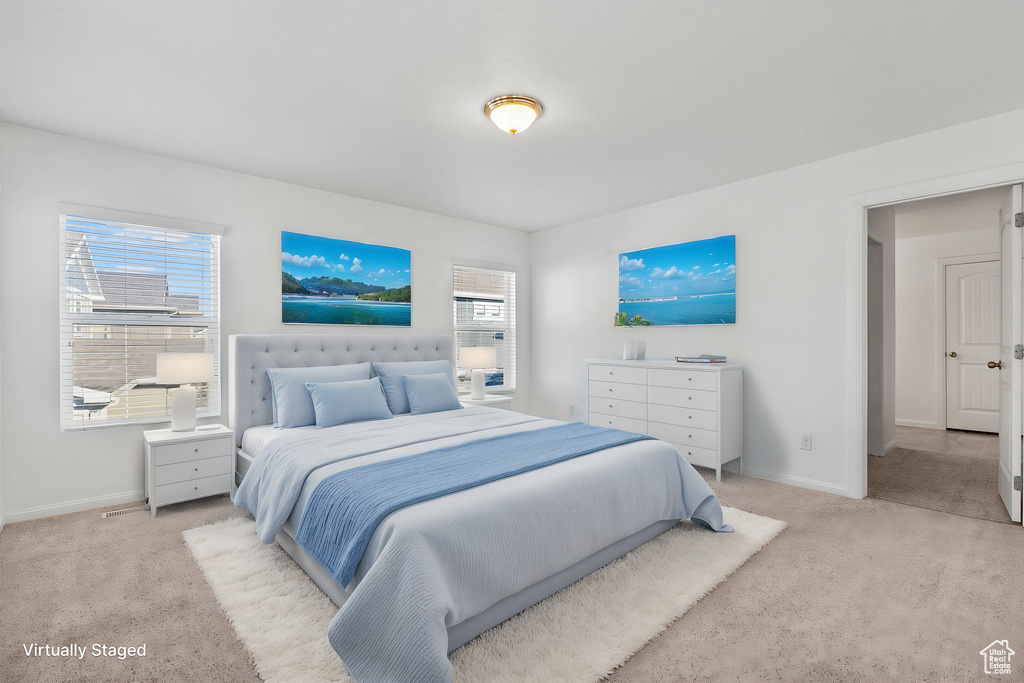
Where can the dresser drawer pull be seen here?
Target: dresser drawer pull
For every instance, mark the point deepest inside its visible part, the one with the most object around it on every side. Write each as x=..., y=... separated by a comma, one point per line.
x=197, y=488
x=196, y=450
x=689, y=417
x=197, y=469
x=689, y=379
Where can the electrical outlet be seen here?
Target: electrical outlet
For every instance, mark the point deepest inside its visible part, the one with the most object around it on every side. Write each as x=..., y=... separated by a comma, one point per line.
x=805, y=442
x=572, y=410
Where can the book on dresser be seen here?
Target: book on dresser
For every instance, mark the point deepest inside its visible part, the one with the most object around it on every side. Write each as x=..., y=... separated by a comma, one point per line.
x=703, y=358
x=698, y=408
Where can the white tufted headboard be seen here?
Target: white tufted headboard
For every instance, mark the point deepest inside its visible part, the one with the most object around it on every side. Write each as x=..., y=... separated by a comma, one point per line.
x=249, y=356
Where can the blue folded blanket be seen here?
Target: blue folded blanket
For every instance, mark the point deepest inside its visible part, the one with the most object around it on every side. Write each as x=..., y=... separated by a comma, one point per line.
x=345, y=508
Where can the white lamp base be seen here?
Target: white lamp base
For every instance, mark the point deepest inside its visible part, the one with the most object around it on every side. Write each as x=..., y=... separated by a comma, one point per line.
x=476, y=385
x=183, y=408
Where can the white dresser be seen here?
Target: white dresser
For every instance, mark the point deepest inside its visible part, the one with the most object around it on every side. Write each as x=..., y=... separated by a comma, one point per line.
x=183, y=466
x=698, y=408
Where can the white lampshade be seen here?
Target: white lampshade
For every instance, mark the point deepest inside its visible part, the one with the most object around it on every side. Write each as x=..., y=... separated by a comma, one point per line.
x=513, y=113
x=184, y=368
x=474, y=357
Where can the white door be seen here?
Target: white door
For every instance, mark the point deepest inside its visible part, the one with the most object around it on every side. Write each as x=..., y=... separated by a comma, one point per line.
x=972, y=340
x=1010, y=379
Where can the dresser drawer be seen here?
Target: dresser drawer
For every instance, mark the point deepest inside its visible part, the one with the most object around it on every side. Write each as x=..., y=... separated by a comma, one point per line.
x=685, y=417
x=166, y=454
x=701, y=457
x=192, y=469
x=187, y=490
x=615, y=373
x=686, y=379
x=683, y=398
x=688, y=436
x=618, y=407
x=626, y=392
x=626, y=424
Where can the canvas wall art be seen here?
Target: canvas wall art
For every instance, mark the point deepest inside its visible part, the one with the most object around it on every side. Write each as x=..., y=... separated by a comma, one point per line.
x=693, y=283
x=328, y=281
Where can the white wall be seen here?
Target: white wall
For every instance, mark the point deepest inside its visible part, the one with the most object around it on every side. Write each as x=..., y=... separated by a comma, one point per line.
x=882, y=332
x=46, y=471
x=792, y=332
x=920, y=378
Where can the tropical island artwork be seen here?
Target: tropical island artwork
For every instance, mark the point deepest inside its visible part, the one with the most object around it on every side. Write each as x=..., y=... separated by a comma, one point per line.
x=693, y=283
x=337, y=282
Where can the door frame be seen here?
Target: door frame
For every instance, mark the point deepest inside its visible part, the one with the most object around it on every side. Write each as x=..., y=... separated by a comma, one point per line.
x=941, y=324
x=857, y=296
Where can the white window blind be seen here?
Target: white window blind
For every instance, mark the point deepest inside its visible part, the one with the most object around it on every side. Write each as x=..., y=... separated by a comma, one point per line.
x=128, y=292
x=485, y=315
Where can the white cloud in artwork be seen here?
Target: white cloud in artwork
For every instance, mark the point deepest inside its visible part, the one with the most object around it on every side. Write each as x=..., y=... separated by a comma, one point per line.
x=670, y=273
x=630, y=263
x=303, y=261
x=355, y=267
x=629, y=280
x=343, y=258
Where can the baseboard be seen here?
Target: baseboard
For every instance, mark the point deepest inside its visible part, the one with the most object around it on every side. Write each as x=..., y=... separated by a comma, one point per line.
x=74, y=506
x=924, y=424
x=799, y=482
x=889, y=446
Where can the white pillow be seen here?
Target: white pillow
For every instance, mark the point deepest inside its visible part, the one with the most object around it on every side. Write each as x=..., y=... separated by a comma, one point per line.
x=292, y=404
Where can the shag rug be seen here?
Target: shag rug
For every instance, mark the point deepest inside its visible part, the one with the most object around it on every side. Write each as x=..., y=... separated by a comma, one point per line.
x=580, y=634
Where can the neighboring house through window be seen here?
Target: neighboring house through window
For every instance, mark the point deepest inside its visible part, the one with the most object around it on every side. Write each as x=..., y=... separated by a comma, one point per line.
x=133, y=287
x=485, y=315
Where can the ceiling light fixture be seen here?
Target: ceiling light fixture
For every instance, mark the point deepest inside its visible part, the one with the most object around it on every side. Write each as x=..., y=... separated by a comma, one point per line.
x=513, y=113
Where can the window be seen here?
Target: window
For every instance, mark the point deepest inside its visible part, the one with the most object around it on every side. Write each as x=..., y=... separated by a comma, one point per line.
x=132, y=287
x=485, y=315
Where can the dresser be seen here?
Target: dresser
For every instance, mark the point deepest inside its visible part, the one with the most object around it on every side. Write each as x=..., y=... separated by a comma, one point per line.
x=183, y=466
x=698, y=408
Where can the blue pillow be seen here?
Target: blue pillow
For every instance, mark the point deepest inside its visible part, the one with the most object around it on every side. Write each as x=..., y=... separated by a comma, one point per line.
x=430, y=393
x=337, y=403
x=391, y=375
x=292, y=405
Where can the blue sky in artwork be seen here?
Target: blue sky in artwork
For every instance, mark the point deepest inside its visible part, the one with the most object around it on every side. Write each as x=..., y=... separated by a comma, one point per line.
x=305, y=256
x=687, y=269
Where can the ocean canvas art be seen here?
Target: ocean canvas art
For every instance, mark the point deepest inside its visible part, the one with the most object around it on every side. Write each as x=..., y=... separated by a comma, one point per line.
x=692, y=283
x=338, y=282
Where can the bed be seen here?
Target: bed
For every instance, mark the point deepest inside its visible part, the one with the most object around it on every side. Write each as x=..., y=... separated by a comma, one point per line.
x=437, y=573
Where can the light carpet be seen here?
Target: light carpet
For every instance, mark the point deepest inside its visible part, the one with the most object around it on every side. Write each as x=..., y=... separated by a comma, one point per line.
x=581, y=633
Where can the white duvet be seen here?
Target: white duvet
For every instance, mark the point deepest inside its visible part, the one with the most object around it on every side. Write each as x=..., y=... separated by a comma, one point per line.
x=432, y=565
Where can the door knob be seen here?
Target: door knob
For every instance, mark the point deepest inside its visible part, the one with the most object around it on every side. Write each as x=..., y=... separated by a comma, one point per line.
x=951, y=354
x=995, y=364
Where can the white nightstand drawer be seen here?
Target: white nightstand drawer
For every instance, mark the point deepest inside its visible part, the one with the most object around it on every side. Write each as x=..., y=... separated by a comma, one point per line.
x=195, y=488
x=626, y=392
x=626, y=424
x=683, y=398
x=689, y=436
x=192, y=469
x=696, y=379
x=701, y=457
x=613, y=373
x=166, y=454
x=701, y=419
x=618, y=407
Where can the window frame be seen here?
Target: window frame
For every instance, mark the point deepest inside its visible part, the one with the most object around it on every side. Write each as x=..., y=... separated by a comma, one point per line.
x=121, y=324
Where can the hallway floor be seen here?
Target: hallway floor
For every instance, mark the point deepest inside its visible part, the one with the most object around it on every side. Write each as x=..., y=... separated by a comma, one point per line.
x=949, y=442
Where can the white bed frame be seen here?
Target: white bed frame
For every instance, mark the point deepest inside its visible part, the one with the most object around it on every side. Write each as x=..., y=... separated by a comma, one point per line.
x=249, y=405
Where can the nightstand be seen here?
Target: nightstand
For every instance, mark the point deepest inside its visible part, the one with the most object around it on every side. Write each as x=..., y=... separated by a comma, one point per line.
x=184, y=466
x=489, y=400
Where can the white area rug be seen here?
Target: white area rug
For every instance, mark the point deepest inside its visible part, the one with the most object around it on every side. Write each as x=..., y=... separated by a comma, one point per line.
x=580, y=634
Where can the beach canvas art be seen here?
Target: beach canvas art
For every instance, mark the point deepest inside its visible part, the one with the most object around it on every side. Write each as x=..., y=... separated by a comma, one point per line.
x=328, y=281
x=692, y=283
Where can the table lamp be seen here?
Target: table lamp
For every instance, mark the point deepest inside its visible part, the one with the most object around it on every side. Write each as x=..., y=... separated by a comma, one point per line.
x=183, y=369
x=477, y=358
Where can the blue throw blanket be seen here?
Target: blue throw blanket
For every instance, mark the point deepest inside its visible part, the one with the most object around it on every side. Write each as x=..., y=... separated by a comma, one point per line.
x=346, y=507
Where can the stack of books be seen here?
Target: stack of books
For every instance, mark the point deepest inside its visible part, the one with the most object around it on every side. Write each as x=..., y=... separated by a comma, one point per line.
x=703, y=358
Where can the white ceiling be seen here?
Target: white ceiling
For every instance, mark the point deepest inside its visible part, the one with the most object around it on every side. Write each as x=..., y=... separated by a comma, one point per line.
x=383, y=99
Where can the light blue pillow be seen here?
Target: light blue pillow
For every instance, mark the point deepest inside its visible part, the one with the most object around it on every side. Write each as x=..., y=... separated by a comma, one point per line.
x=337, y=403
x=291, y=403
x=430, y=393
x=391, y=375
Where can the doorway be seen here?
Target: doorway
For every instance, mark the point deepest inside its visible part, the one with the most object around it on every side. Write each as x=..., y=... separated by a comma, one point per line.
x=945, y=272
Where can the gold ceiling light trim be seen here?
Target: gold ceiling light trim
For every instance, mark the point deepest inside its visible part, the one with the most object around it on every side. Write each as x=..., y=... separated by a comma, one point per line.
x=513, y=113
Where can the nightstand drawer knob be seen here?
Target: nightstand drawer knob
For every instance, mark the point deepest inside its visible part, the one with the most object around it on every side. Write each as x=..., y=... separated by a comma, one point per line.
x=196, y=450
x=197, y=469
x=197, y=488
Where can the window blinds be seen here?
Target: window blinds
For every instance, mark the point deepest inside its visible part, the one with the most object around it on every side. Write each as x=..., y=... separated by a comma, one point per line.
x=485, y=315
x=128, y=292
